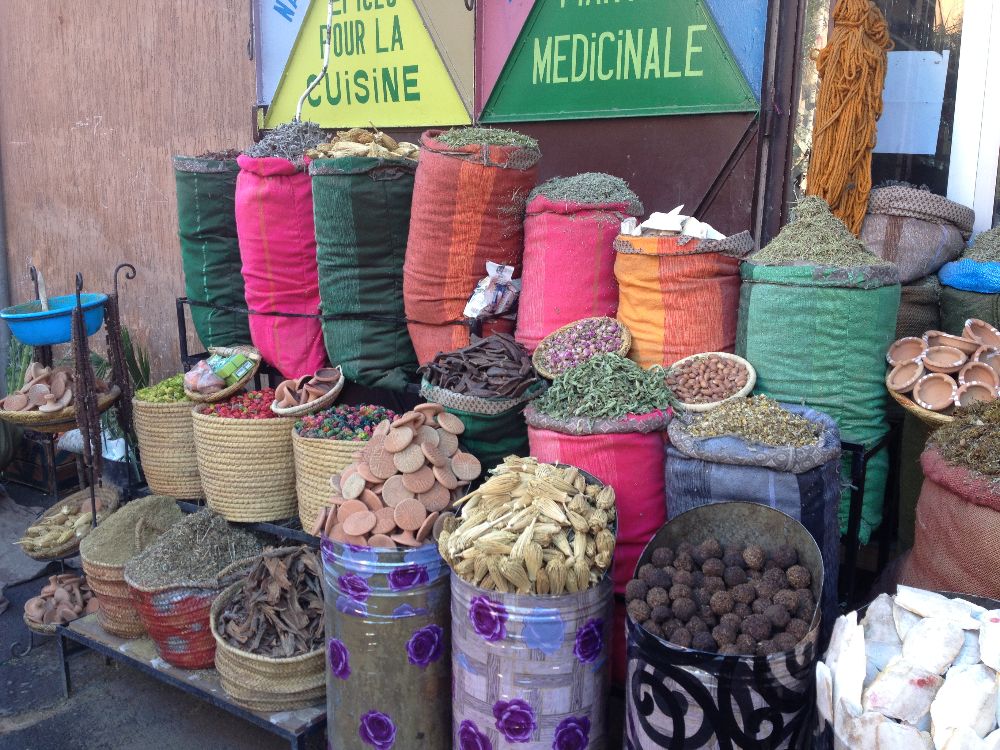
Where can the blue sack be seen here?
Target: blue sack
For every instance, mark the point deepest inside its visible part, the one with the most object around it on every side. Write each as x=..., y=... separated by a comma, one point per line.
x=971, y=276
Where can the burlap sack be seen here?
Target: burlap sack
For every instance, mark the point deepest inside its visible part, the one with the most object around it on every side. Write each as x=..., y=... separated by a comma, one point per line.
x=917, y=247
x=919, y=308
x=901, y=200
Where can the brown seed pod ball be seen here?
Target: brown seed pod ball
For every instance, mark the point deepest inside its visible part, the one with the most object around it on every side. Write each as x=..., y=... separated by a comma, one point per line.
x=707, y=616
x=696, y=625
x=638, y=610
x=657, y=597
x=652, y=628
x=766, y=589
x=777, y=577
x=636, y=589
x=785, y=556
x=713, y=566
x=770, y=564
x=697, y=579
x=684, y=609
x=662, y=557
x=724, y=635
x=680, y=591
x=683, y=577
x=684, y=548
x=699, y=556
x=734, y=576
x=742, y=610
x=798, y=577
x=681, y=637
x=754, y=557
x=778, y=616
x=785, y=641
x=745, y=645
x=760, y=604
x=646, y=572
x=754, y=575
x=787, y=599
x=713, y=547
x=731, y=621
x=757, y=627
x=671, y=570
x=733, y=558
x=797, y=628
x=704, y=641
x=722, y=602
x=729, y=650
x=806, y=600
x=683, y=561
x=661, y=578
x=670, y=626
x=767, y=648
x=701, y=597
x=661, y=614
x=744, y=592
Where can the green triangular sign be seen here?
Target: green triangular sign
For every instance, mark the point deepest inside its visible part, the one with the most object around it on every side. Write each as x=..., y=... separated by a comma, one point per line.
x=580, y=59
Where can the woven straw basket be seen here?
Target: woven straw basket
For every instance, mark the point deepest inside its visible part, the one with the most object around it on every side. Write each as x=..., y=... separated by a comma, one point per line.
x=228, y=391
x=58, y=421
x=108, y=497
x=539, y=355
x=930, y=418
x=316, y=460
x=116, y=610
x=166, y=445
x=246, y=466
x=261, y=683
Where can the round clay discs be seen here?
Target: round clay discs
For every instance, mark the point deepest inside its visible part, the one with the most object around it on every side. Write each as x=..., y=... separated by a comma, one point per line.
x=357, y=541
x=450, y=423
x=429, y=409
x=357, y=524
x=448, y=443
x=382, y=464
x=439, y=523
x=405, y=538
x=385, y=521
x=428, y=434
x=364, y=471
x=338, y=535
x=335, y=483
x=369, y=498
x=354, y=485
x=432, y=452
x=377, y=488
x=381, y=540
x=398, y=438
x=394, y=491
x=420, y=480
x=409, y=514
x=349, y=508
x=410, y=418
x=465, y=466
x=381, y=429
x=446, y=477
x=426, y=527
x=436, y=499
x=409, y=459
x=358, y=456
x=338, y=500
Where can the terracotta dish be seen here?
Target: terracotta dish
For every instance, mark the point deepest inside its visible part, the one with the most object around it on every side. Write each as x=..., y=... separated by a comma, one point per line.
x=982, y=332
x=990, y=357
x=906, y=350
x=970, y=393
x=935, y=392
x=944, y=359
x=940, y=338
x=904, y=376
x=978, y=372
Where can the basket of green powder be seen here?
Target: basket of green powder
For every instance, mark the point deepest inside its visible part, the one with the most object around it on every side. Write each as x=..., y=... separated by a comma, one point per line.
x=162, y=417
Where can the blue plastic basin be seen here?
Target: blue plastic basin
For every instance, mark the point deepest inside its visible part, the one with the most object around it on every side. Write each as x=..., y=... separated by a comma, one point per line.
x=36, y=327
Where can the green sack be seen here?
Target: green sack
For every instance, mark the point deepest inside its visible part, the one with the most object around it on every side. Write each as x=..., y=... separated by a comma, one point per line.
x=362, y=213
x=210, y=250
x=818, y=337
x=957, y=306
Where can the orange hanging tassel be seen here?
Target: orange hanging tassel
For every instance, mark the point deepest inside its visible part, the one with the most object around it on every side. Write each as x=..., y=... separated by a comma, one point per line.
x=852, y=74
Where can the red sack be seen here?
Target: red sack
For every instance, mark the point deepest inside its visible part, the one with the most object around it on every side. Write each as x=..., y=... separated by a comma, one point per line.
x=632, y=463
x=468, y=208
x=957, y=540
x=569, y=265
x=274, y=221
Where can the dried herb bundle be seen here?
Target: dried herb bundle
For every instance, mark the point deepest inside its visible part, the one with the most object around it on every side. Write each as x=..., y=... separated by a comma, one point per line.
x=590, y=187
x=973, y=439
x=289, y=141
x=279, y=611
x=757, y=419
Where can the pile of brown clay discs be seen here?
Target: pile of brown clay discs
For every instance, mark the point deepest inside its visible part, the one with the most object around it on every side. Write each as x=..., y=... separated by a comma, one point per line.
x=707, y=379
x=735, y=600
x=401, y=486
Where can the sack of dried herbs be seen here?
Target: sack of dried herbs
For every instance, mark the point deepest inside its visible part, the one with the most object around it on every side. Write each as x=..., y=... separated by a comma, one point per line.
x=128, y=531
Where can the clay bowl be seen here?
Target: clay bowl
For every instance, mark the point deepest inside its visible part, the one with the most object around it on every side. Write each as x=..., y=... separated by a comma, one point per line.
x=970, y=393
x=904, y=376
x=935, y=392
x=905, y=350
x=944, y=359
x=940, y=338
x=990, y=357
x=983, y=332
x=978, y=372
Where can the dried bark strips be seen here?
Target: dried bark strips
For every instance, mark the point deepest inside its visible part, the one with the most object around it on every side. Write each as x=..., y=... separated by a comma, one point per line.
x=496, y=367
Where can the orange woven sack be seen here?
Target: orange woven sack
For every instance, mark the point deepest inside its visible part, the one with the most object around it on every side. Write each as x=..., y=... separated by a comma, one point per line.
x=957, y=541
x=679, y=296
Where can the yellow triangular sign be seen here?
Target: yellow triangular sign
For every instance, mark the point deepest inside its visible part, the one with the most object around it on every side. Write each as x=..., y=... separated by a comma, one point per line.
x=384, y=69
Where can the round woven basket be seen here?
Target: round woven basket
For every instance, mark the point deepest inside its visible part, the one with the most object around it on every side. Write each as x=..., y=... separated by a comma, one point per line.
x=537, y=357
x=40, y=629
x=313, y=406
x=57, y=421
x=166, y=446
x=741, y=393
x=246, y=465
x=228, y=391
x=116, y=611
x=930, y=418
x=316, y=460
x=109, y=499
x=261, y=683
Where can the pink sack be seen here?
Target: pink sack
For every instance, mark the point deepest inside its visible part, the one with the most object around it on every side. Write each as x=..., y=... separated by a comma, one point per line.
x=274, y=221
x=569, y=265
x=632, y=463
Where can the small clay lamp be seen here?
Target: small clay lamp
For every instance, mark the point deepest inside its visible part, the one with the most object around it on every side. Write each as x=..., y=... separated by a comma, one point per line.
x=944, y=359
x=905, y=350
x=935, y=392
x=904, y=376
x=940, y=338
x=978, y=372
x=989, y=357
x=970, y=393
x=983, y=332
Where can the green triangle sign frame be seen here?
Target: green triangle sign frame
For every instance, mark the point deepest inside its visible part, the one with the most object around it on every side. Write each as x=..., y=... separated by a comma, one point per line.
x=582, y=59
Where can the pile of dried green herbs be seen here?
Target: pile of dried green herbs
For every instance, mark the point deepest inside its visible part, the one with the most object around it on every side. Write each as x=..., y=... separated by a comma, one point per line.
x=590, y=187
x=818, y=238
x=972, y=440
x=122, y=534
x=487, y=137
x=193, y=551
x=986, y=247
x=606, y=386
x=757, y=419
x=289, y=141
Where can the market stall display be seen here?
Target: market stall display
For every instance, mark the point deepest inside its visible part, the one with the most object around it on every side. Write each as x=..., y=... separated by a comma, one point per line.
x=274, y=221
x=210, y=248
x=532, y=607
x=362, y=190
x=757, y=689
x=245, y=458
x=268, y=630
x=46, y=400
x=177, y=577
x=913, y=670
x=816, y=276
x=58, y=531
x=405, y=477
x=486, y=385
x=113, y=543
x=970, y=286
x=64, y=598
x=161, y=414
x=455, y=230
x=576, y=342
x=571, y=223
x=703, y=382
x=225, y=372
x=308, y=393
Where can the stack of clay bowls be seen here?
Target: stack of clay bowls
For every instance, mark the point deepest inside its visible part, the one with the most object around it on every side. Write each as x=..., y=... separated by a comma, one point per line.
x=940, y=371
